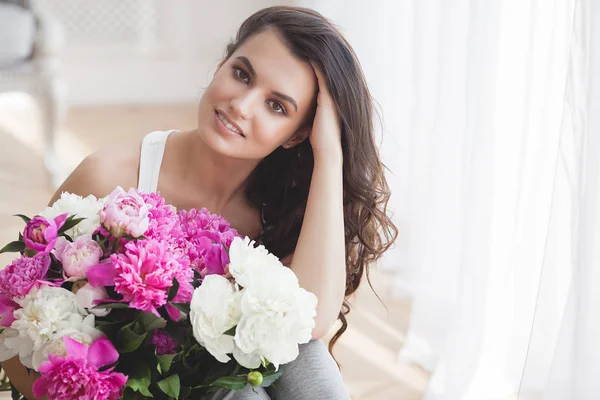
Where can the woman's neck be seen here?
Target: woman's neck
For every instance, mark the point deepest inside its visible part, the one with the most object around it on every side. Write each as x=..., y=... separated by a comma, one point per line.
x=217, y=180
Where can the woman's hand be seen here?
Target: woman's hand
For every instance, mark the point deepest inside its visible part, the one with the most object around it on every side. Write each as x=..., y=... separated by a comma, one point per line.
x=326, y=134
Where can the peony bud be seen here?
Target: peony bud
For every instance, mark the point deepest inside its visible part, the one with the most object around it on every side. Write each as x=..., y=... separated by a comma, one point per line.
x=255, y=378
x=40, y=234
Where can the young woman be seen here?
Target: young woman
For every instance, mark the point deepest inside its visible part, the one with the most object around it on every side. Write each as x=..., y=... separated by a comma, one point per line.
x=285, y=151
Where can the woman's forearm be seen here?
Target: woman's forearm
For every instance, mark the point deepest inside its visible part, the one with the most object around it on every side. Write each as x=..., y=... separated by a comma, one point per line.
x=319, y=259
x=19, y=377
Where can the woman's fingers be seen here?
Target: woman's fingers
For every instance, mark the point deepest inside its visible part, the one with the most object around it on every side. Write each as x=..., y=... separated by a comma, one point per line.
x=324, y=94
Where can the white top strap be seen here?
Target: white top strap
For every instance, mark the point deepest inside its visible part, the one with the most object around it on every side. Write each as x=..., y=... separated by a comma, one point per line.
x=153, y=149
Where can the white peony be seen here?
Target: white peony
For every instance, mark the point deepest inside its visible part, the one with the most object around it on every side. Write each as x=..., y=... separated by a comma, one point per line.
x=45, y=311
x=79, y=328
x=277, y=315
x=247, y=360
x=87, y=295
x=80, y=207
x=245, y=259
x=215, y=309
x=5, y=352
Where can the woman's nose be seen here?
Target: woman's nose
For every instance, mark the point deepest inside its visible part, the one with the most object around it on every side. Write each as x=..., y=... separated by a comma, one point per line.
x=243, y=104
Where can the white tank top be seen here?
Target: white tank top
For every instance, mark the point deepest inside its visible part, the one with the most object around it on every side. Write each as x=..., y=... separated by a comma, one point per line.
x=153, y=149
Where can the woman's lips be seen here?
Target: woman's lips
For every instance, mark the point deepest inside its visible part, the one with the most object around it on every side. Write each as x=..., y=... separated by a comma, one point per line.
x=221, y=117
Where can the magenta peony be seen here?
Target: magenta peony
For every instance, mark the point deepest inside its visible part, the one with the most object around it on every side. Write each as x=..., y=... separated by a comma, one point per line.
x=77, y=375
x=145, y=272
x=40, y=234
x=202, y=239
x=164, y=222
x=18, y=278
x=164, y=342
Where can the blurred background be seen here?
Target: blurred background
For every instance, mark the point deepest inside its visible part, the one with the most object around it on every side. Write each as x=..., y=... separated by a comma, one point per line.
x=488, y=131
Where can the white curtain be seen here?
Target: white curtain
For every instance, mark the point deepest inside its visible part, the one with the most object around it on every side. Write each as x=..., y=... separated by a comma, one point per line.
x=493, y=142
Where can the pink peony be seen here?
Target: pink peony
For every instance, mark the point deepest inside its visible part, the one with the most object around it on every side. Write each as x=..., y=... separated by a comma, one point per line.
x=78, y=256
x=18, y=278
x=164, y=342
x=125, y=214
x=7, y=309
x=202, y=239
x=145, y=272
x=186, y=290
x=40, y=234
x=164, y=222
x=77, y=375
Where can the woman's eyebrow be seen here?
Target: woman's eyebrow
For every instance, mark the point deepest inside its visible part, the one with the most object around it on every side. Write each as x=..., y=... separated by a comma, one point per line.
x=248, y=65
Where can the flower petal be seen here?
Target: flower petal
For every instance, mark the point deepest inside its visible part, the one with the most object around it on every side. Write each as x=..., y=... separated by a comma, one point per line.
x=7, y=307
x=102, y=352
x=172, y=311
x=40, y=387
x=60, y=220
x=50, y=234
x=102, y=275
x=74, y=348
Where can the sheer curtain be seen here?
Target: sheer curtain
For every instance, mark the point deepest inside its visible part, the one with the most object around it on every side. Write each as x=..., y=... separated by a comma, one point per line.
x=493, y=145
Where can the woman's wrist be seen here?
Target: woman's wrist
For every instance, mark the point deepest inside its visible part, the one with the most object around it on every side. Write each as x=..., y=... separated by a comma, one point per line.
x=328, y=156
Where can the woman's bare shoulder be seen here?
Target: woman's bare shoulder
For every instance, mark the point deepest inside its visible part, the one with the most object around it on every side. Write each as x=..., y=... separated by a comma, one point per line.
x=102, y=171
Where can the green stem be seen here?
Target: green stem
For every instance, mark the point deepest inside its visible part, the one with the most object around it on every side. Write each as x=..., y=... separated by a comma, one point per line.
x=115, y=245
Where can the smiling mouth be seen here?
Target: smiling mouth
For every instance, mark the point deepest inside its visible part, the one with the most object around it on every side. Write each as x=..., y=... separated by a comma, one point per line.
x=228, y=124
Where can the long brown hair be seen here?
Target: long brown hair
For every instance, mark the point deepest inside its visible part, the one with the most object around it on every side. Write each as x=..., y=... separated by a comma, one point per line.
x=280, y=184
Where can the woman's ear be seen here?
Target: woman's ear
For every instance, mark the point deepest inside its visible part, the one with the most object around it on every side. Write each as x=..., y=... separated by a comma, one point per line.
x=300, y=136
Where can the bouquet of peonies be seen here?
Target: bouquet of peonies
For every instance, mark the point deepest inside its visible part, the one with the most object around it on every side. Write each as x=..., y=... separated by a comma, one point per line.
x=126, y=297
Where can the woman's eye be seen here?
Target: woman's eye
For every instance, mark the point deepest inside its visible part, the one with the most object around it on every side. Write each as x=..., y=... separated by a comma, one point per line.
x=277, y=107
x=241, y=74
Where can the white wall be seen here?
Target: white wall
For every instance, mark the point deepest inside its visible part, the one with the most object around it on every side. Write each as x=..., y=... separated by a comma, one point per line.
x=183, y=43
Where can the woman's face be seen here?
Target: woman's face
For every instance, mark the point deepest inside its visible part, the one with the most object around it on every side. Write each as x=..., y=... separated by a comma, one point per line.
x=263, y=93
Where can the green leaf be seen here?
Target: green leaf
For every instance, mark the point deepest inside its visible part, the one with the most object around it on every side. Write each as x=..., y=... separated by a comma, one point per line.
x=15, y=394
x=128, y=340
x=164, y=362
x=145, y=392
x=129, y=394
x=270, y=377
x=170, y=386
x=183, y=307
x=12, y=247
x=230, y=382
x=139, y=380
x=231, y=332
x=23, y=217
x=30, y=252
x=109, y=328
x=173, y=290
x=185, y=392
x=151, y=322
x=69, y=223
x=111, y=305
